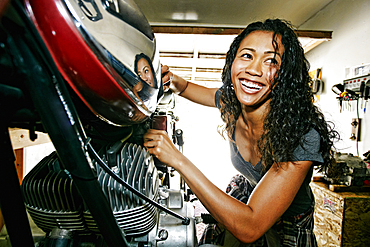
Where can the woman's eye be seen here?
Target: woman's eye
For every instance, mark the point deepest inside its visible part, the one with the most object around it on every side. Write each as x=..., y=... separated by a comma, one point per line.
x=247, y=55
x=272, y=61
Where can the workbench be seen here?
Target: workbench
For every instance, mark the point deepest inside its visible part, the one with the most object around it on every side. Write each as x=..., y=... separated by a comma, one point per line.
x=342, y=216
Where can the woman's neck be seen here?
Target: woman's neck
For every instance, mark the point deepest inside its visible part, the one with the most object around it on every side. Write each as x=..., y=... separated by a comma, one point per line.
x=249, y=129
x=252, y=118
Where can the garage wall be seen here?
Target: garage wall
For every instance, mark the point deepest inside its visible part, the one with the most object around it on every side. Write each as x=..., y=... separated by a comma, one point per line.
x=348, y=19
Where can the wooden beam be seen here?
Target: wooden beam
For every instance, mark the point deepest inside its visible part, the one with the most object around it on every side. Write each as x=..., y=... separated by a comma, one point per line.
x=314, y=34
x=19, y=163
x=196, y=30
x=20, y=138
x=231, y=31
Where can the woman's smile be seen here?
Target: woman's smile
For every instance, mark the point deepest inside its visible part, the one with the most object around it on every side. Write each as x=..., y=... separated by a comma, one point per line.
x=251, y=86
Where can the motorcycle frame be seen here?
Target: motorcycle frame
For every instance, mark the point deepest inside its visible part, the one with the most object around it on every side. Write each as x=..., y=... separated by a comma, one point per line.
x=61, y=121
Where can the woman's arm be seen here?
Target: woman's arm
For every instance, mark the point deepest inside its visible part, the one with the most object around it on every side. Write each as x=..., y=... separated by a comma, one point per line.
x=247, y=222
x=193, y=92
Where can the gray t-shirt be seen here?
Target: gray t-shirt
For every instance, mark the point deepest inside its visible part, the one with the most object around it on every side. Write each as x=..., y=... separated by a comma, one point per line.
x=309, y=152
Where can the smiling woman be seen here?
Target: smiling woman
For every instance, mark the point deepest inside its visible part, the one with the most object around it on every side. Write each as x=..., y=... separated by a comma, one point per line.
x=254, y=68
x=277, y=136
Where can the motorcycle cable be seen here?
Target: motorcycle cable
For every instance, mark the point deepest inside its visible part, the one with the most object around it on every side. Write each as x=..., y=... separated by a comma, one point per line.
x=104, y=166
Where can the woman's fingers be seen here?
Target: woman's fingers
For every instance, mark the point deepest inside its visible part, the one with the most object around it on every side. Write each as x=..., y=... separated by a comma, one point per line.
x=166, y=77
x=153, y=134
x=160, y=145
x=154, y=140
x=165, y=69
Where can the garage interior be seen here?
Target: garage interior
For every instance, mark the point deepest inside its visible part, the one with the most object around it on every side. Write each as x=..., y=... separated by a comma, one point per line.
x=192, y=38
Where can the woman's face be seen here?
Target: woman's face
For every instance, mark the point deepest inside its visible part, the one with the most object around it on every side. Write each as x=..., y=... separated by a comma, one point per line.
x=255, y=66
x=145, y=72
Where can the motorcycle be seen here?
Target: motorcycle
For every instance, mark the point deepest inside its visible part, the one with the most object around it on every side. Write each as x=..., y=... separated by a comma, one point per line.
x=87, y=73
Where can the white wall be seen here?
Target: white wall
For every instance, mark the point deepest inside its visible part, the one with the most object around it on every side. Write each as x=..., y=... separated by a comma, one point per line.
x=34, y=151
x=349, y=21
x=203, y=145
x=34, y=154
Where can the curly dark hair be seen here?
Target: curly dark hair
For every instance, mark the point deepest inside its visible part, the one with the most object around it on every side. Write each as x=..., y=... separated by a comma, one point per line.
x=292, y=111
x=140, y=56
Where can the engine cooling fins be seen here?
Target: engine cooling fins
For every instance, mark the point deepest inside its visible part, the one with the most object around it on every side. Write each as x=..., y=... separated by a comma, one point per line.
x=53, y=201
x=134, y=165
x=51, y=198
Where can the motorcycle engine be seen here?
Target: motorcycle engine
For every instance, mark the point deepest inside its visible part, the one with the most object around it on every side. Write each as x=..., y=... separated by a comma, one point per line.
x=56, y=207
x=98, y=46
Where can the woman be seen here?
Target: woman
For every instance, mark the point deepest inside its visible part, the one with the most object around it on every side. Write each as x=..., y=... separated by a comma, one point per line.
x=144, y=69
x=277, y=135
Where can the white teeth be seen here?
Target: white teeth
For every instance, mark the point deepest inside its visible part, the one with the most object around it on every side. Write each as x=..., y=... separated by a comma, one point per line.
x=252, y=85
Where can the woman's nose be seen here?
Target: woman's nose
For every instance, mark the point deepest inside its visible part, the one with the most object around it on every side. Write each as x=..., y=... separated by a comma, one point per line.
x=254, y=68
x=144, y=77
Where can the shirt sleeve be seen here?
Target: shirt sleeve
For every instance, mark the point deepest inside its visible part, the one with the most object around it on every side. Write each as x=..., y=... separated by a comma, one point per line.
x=218, y=98
x=310, y=148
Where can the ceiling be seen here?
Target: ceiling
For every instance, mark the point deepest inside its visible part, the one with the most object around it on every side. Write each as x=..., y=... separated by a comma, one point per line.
x=200, y=57
x=228, y=13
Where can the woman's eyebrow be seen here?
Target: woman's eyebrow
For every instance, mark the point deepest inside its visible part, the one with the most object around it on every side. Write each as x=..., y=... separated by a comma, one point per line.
x=145, y=67
x=273, y=52
x=249, y=49
x=266, y=52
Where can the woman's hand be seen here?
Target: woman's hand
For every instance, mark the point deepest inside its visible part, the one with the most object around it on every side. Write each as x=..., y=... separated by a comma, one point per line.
x=173, y=82
x=167, y=77
x=159, y=144
x=191, y=91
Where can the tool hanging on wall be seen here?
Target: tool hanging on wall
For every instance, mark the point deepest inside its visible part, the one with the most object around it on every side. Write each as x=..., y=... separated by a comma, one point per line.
x=366, y=93
x=338, y=89
x=366, y=96
x=347, y=96
x=316, y=84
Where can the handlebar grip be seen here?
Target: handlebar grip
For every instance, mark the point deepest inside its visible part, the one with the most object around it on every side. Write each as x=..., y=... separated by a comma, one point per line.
x=179, y=137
